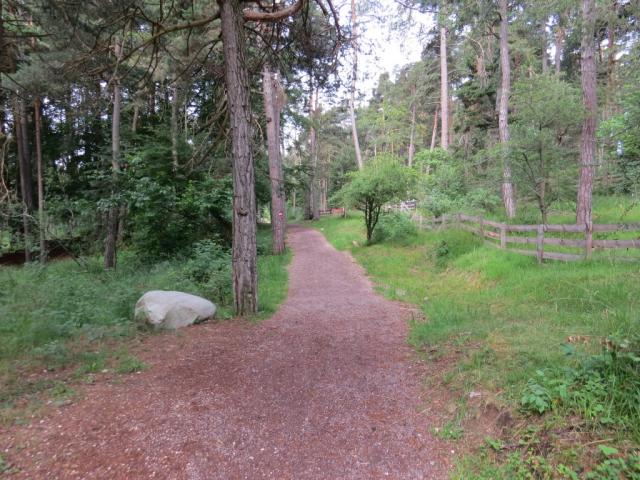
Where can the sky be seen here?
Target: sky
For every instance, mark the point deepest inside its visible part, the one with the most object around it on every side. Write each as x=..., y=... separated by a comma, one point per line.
x=383, y=47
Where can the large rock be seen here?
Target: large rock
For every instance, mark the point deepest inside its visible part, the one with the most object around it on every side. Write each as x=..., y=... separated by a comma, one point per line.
x=171, y=310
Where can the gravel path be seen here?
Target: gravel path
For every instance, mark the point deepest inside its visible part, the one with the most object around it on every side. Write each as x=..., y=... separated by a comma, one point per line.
x=325, y=389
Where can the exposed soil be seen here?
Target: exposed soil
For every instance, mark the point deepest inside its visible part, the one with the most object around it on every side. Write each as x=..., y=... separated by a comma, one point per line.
x=327, y=388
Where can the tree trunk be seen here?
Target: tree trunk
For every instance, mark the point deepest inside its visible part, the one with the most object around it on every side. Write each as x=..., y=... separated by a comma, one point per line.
x=174, y=124
x=272, y=108
x=110, y=253
x=434, y=132
x=544, y=55
x=354, y=76
x=508, y=196
x=412, y=146
x=444, y=89
x=590, y=100
x=560, y=34
x=37, y=107
x=26, y=179
x=245, y=271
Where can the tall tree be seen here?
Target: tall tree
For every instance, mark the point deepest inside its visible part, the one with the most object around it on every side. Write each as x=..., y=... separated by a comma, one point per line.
x=590, y=101
x=352, y=91
x=508, y=195
x=444, y=79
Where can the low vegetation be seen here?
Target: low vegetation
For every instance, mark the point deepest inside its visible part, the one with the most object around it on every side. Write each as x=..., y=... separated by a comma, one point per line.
x=73, y=318
x=555, y=345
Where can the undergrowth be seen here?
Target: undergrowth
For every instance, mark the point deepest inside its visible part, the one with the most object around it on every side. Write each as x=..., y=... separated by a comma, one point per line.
x=555, y=344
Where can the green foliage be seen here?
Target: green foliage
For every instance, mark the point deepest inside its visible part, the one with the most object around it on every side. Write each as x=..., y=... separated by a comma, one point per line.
x=383, y=179
x=210, y=267
x=441, y=187
x=601, y=388
x=129, y=364
x=395, y=228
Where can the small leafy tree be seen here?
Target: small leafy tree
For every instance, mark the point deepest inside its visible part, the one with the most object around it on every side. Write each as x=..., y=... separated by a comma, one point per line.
x=383, y=179
x=543, y=148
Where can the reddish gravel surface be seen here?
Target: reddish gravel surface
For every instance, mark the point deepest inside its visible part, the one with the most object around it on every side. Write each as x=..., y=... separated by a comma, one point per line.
x=325, y=389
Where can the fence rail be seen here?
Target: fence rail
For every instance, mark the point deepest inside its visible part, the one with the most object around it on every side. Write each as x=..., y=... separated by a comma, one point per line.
x=498, y=234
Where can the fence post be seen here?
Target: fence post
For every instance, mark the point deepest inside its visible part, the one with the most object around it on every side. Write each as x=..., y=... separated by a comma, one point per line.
x=443, y=223
x=540, y=244
x=588, y=240
x=482, y=227
x=503, y=236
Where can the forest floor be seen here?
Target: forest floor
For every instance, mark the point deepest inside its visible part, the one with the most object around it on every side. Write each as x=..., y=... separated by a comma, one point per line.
x=326, y=388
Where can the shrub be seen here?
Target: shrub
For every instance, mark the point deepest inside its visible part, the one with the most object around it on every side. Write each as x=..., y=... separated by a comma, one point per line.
x=210, y=266
x=395, y=228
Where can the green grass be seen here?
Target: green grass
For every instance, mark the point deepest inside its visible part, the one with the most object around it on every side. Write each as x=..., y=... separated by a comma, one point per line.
x=70, y=316
x=508, y=315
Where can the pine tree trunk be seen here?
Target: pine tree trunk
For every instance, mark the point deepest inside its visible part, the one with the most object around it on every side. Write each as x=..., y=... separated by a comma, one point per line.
x=508, y=196
x=174, y=124
x=352, y=97
x=245, y=271
x=560, y=34
x=278, y=203
x=412, y=146
x=37, y=107
x=590, y=100
x=434, y=132
x=110, y=253
x=444, y=90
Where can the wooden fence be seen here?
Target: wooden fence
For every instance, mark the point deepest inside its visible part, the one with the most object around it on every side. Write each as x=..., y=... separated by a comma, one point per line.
x=499, y=235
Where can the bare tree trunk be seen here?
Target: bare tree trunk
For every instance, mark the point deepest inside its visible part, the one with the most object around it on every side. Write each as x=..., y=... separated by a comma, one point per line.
x=272, y=108
x=434, y=132
x=545, y=56
x=24, y=165
x=245, y=271
x=110, y=253
x=444, y=90
x=560, y=34
x=37, y=107
x=313, y=150
x=174, y=124
x=412, y=146
x=508, y=196
x=354, y=76
x=590, y=100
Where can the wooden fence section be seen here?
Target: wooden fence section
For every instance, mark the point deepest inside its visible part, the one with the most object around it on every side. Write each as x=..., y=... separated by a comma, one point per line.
x=498, y=234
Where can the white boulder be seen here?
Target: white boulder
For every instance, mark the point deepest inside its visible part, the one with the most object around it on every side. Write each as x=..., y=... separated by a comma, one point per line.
x=172, y=310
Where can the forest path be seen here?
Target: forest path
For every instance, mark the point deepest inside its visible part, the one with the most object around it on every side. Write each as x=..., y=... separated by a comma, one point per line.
x=325, y=389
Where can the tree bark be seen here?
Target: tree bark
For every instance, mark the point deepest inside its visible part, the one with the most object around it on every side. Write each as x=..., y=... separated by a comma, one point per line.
x=508, y=196
x=412, y=133
x=272, y=108
x=37, y=107
x=560, y=35
x=434, y=132
x=352, y=97
x=245, y=271
x=444, y=89
x=174, y=124
x=590, y=100
x=110, y=253
x=313, y=150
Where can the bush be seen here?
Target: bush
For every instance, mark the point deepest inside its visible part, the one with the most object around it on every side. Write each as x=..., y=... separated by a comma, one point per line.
x=601, y=388
x=210, y=266
x=395, y=228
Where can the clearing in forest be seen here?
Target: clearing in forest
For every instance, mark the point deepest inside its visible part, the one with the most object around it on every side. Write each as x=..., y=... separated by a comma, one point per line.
x=326, y=388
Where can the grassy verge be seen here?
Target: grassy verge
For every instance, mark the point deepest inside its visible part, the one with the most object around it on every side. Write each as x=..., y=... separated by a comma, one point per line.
x=530, y=338
x=72, y=319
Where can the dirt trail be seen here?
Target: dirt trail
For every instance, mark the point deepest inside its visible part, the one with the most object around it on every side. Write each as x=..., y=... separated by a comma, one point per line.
x=325, y=389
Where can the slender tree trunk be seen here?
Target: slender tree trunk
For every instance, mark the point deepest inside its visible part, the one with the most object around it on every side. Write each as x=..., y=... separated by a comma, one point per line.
x=560, y=35
x=434, y=131
x=444, y=89
x=174, y=123
x=544, y=55
x=245, y=271
x=37, y=107
x=412, y=146
x=508, y=196
x=354, y=77
x=278, y=203
x=110, y=253
x=313, y=150
x=590, y=100
x=26, y=179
